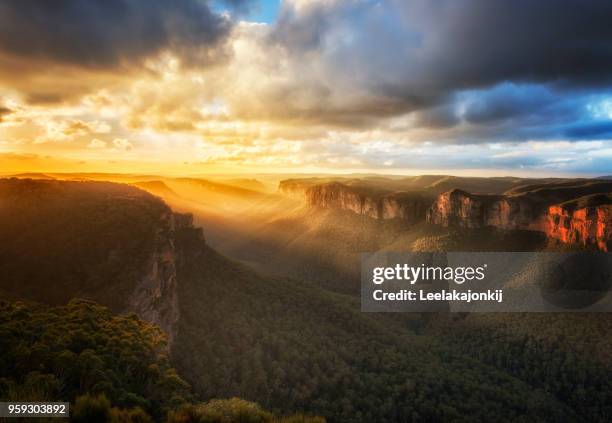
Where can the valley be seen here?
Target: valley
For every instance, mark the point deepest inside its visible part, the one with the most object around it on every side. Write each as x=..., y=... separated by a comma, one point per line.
x=266, y=308
x=209, y=210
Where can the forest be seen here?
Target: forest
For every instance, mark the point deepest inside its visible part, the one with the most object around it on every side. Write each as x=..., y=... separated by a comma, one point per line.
x=110, y=368
x=290, y=346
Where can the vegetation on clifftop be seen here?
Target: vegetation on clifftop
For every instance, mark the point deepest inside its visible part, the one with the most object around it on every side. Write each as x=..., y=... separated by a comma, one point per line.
x=110, y=368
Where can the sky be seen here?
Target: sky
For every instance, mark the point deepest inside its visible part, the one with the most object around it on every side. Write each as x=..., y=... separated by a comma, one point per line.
x=487, y=87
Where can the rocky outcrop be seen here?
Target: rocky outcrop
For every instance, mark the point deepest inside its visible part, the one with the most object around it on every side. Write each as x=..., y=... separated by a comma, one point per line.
x=111, y=243
x=587, y=226
x=586, y=221
x=155, y=297
x=377, y=205
x=571, y=211
x=405, y=206
x=458, y=208
x=335, y=195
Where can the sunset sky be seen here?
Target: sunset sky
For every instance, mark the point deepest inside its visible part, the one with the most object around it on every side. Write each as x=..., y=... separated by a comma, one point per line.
x=394, y=86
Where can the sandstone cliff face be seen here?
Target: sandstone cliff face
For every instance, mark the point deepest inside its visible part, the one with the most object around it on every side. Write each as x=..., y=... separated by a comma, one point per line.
x=410, y=208
x=585, y=226
x=334, y=195
x=458, y=208
x=574, y=212
x=155, y=297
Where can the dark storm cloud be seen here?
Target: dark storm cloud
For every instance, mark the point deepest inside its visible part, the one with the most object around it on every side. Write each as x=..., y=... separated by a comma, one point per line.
x=469, y=43
x=507, y=101
x=589, y=130
x=443, y=116
x=106, y=33
x=420, y=53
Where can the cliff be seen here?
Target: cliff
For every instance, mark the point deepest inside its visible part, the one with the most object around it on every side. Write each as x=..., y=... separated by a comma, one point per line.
x=155, y=297
x=294, y=188
x=458, y=208
x=372, y=203
x=111, y=243
x=585, y=221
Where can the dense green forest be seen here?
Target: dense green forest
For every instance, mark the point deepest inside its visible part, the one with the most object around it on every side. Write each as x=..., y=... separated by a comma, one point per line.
x=568, y=355
x=50, y=353
x=289, y=346
x=110, y=368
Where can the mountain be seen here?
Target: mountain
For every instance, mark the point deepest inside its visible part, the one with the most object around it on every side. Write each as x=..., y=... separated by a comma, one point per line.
x=431, y=184
x=107, y=242
x=510, y=204
x=156, y=187
x=32, y=175
x=409, y=206
x=290, y=345
x=578, y=213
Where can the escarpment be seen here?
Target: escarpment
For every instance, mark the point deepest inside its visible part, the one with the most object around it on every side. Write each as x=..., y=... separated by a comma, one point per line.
x=294, y=188
x=155, y=297
x=458, y=208
x=585, y=220
x=407, y=206
x=111, y=243
x=572, y=211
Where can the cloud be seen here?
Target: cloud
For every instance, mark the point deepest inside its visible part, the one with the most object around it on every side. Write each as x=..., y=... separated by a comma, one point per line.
x=106, y=33
x=65, y=130
x=589, y=130
x=376, y=59
x=336, y=83
x=505, y=101
x=57, y=51
x=445, y=115
x=122, y=144
x=96, y=144
x=4, y=111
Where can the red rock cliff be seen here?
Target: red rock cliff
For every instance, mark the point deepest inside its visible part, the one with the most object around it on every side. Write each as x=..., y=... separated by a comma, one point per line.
x=585, y=221
x=585, y=226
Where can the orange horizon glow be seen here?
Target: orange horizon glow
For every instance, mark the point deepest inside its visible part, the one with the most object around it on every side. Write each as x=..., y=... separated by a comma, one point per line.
x=15, y=164
x=246, y=103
